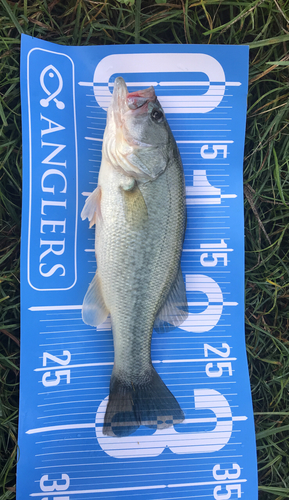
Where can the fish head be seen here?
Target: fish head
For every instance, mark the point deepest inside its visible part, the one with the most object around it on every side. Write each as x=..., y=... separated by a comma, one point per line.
x=137, y=134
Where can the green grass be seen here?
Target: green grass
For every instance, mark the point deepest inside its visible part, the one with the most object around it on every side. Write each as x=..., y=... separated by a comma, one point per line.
x=264, y=25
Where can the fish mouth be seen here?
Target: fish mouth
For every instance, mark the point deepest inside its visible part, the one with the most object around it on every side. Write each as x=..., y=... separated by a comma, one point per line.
x=123, y=101
x=140, y=98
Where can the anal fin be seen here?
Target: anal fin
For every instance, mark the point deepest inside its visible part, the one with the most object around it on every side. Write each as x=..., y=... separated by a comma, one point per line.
x=175, y=309
x=94, y=310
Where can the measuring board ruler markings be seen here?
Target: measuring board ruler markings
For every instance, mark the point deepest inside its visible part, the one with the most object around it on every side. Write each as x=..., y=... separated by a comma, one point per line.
x=66, y=364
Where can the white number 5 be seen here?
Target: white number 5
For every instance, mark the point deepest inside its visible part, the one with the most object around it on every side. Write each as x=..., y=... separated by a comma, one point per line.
x=229, y=489
x=210, y=156
x=219, y=371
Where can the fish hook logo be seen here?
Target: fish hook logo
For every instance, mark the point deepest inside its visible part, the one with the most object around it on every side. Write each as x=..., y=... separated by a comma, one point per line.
x=52, y=71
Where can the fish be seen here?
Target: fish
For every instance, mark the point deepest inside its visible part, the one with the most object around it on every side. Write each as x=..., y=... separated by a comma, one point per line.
x=139, y=213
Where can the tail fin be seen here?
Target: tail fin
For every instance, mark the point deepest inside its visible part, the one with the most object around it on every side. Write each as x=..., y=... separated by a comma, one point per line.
x=147, y=403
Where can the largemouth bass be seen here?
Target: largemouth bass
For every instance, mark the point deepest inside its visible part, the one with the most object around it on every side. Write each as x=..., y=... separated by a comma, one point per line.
x=139, y=212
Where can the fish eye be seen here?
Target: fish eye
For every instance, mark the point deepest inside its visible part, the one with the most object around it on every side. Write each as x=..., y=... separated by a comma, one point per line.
x=157, y=115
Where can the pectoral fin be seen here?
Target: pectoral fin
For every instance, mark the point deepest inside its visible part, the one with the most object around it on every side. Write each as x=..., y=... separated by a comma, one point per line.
x=94, y=310
x=175, y=309
x=91, y=209
x=135, y=208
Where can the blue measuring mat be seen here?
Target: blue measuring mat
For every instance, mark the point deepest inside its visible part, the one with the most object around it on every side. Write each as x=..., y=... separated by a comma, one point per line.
x=66, y=364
